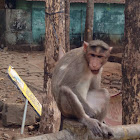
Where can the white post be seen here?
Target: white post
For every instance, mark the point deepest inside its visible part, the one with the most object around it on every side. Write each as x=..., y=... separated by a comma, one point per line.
x=24, y=116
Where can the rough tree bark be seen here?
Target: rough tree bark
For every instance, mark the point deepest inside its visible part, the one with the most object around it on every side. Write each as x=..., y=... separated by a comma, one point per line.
x=89, y=21
x=55, y=46
x=131, y=64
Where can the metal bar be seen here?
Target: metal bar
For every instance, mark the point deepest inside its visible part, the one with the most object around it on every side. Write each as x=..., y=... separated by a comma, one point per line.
x=24, y=116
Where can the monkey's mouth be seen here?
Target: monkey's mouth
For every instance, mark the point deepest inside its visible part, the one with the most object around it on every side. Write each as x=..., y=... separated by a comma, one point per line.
x=95, y=71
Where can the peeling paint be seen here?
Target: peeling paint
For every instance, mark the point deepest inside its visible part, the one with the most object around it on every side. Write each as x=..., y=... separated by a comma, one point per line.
x=38, y=21
x=108, y=22
x=18, y=27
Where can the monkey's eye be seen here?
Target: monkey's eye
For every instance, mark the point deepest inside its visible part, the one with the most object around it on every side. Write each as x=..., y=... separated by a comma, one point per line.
x=99, y=56
x=93, y=55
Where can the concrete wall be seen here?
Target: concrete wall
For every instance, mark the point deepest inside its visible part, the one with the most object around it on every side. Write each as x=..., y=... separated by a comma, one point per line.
x=37, y=10
x=26, y=24
x=38, y=21
x=18, y=27
x=108, y=22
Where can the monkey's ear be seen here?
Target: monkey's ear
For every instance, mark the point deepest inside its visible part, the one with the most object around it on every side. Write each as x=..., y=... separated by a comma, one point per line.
x=110, y=49
x=85, y=45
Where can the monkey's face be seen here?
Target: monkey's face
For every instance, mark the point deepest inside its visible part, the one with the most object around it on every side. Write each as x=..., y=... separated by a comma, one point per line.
x=95, y=61
x=96, y=53
x=96, y=57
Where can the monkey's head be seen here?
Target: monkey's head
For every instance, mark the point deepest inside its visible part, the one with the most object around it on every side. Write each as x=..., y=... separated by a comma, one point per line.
x=96, y=54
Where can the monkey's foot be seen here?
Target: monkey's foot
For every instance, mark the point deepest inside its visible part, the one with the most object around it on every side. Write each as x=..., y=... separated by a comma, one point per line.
x=98, y=129
x=107, y=132
x=94, y=125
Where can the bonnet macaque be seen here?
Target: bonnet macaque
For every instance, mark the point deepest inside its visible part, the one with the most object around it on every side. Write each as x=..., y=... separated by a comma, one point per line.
x=76, y=86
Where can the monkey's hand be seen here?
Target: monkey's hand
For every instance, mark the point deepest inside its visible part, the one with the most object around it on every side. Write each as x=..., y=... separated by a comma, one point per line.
x=107, y=132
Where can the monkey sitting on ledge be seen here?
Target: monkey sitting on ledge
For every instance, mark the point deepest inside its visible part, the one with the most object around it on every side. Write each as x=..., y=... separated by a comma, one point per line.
x=76, y=86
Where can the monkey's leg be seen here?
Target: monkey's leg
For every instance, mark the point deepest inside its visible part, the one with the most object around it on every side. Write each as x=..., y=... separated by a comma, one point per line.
x=96, y=106
x=71, y=106
x=98, y=99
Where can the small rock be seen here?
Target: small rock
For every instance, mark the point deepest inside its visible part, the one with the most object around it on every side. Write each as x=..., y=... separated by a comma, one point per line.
x=105, y=81
x=118, y=87
x=31, y=128
x=5, y=136
x=116, y=82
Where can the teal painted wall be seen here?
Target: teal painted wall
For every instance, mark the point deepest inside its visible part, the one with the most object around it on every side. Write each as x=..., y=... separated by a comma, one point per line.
x=108, y=22
x=37, y=10
x=77, y=23
x=38, y=21
x=24, y=5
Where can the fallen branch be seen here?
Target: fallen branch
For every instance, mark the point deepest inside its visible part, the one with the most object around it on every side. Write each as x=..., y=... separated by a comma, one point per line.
x=77, y=131
x=61, y=135
x=126, y=131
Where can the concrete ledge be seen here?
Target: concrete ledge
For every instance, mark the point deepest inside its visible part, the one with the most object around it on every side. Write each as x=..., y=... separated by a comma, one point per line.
x=12, y=114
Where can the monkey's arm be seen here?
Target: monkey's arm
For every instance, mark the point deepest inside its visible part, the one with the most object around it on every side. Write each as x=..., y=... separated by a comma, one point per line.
x=71, y=106
x=88, y=110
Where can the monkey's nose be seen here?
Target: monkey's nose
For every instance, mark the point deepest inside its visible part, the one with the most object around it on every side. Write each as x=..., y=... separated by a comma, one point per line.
x=95, y=67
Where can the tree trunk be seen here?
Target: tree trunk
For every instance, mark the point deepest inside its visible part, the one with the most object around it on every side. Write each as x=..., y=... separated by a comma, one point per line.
x=55, y=47
x=131, y=64
x=67, y=25
x=89, y=21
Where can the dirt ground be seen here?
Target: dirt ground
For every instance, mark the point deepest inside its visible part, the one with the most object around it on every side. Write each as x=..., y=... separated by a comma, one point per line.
x=29, y=66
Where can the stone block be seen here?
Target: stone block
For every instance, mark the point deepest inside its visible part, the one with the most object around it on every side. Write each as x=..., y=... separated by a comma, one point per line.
x=12, y=114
